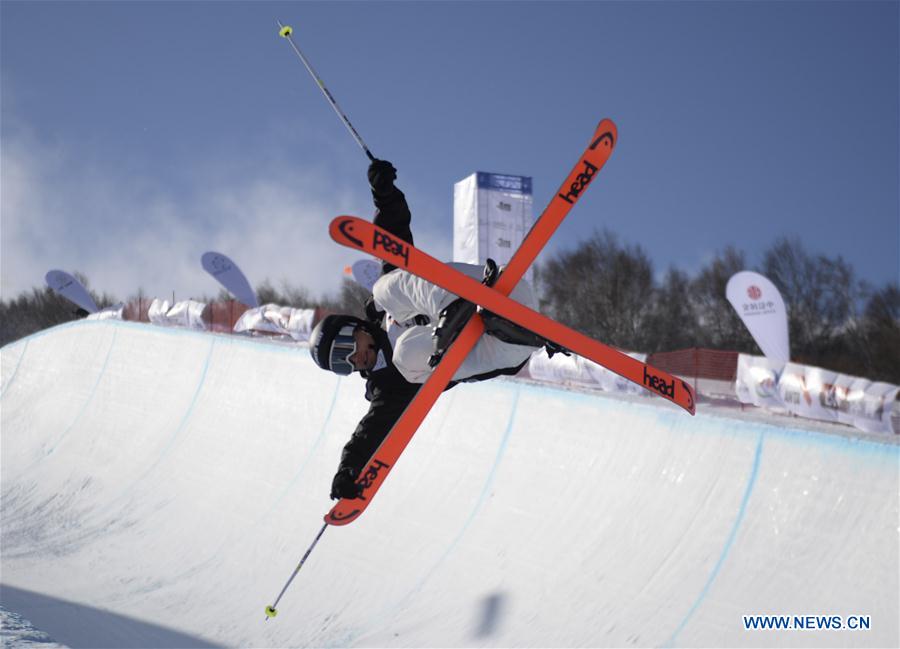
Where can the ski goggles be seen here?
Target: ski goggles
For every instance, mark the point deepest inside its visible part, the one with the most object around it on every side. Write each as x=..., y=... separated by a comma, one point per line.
x=342, y=348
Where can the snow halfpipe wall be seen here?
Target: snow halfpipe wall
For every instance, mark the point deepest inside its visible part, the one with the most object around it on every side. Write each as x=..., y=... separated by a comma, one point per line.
x=160, y=485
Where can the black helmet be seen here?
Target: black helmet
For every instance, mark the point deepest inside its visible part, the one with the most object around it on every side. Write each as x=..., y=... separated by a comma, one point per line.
x=331, y=342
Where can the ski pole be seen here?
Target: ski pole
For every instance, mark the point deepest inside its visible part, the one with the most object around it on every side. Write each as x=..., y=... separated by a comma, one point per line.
x=286, y=31
x=271, y=611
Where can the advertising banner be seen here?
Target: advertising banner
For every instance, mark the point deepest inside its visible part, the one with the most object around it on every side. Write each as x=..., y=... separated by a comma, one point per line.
x=188, y=313
x=560, y=369
x=816, y=393
x=871, y=410
x=70, y=288
x=157, y=312
x=366, y=272
x=757, y=382
x=795, y=393
x=300, y=323
x=492, y=213
x=115, y=312
x=824, y=403
x=230, y=276
x=610, y=381
x=759, y=305
x=575, y=370
x=277, y=320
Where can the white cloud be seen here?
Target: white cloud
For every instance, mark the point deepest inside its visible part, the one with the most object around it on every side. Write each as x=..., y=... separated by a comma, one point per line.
x=130, y=233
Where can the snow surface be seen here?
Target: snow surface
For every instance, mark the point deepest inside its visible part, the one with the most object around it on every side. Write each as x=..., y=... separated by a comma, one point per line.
x=18, y=633
x=160, y=485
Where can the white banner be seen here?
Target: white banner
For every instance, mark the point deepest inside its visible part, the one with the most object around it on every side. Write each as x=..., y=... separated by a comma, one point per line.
x=70, y=288
x=816, y=393
x=575, y=370
x=871, y=410
x=612, y=382
x=186, y=313
x=230, y=276
x=492, y=213
x=109, y=313
x=277, y=320
x=757, y=382
x=157, y=312
x=802, y=389
x=300, y=324
x=559, y=369
x=760, y=306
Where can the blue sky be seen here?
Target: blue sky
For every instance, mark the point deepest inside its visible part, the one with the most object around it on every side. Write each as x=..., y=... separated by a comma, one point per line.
x=138, y=135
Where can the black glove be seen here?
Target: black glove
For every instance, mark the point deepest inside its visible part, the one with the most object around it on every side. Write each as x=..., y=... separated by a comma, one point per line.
x=381, y=177
x=344, y=484
x=373, y=313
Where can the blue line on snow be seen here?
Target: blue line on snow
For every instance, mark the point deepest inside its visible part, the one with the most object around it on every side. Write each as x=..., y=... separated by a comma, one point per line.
x=309, y=454
x=15, y=371
x=252, y=528
x=187, y=415
x=476, y=508
x=742, y=511
x=87, y=401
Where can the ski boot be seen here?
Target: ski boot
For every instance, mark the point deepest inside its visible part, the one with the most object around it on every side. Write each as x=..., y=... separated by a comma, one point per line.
x=455, y=315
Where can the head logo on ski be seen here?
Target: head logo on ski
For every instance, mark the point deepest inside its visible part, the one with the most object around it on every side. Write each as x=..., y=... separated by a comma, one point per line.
x=346, y=227
x=583, y=179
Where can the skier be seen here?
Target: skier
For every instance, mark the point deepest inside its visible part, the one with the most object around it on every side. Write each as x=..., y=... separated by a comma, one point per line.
x=409, y=324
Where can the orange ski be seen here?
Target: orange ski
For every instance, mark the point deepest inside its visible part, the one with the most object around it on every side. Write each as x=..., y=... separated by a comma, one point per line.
x=344, y=231
x=363, y=235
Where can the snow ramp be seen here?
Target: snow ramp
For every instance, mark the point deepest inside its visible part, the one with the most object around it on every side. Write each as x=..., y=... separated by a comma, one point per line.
x=160, y=485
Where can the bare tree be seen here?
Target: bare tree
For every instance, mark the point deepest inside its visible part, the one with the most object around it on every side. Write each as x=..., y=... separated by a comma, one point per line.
x=602, y=288
x=821, y=295
x=673, y=320
x=297, y=297
x=351, y=299
x=718, y=326
x=40, y=308
x=881, y=335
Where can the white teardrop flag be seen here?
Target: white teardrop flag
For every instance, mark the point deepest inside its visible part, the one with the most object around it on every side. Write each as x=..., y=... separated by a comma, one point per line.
x=760, y=306
x=230, y=276
x=366, y=272
x=71, y=289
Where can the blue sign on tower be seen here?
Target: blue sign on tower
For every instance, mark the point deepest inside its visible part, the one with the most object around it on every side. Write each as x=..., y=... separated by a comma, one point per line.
x=504, y=182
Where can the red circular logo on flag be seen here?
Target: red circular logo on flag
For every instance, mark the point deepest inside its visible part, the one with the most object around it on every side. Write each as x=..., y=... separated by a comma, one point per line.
x=754, y=292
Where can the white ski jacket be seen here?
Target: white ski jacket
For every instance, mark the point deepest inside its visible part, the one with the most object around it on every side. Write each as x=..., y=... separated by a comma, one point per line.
x=403, y=296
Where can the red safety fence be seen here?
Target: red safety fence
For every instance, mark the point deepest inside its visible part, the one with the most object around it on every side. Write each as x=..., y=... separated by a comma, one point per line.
x=698, y=363
x=711, y=371
x=222, y=316
x=136, y=310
